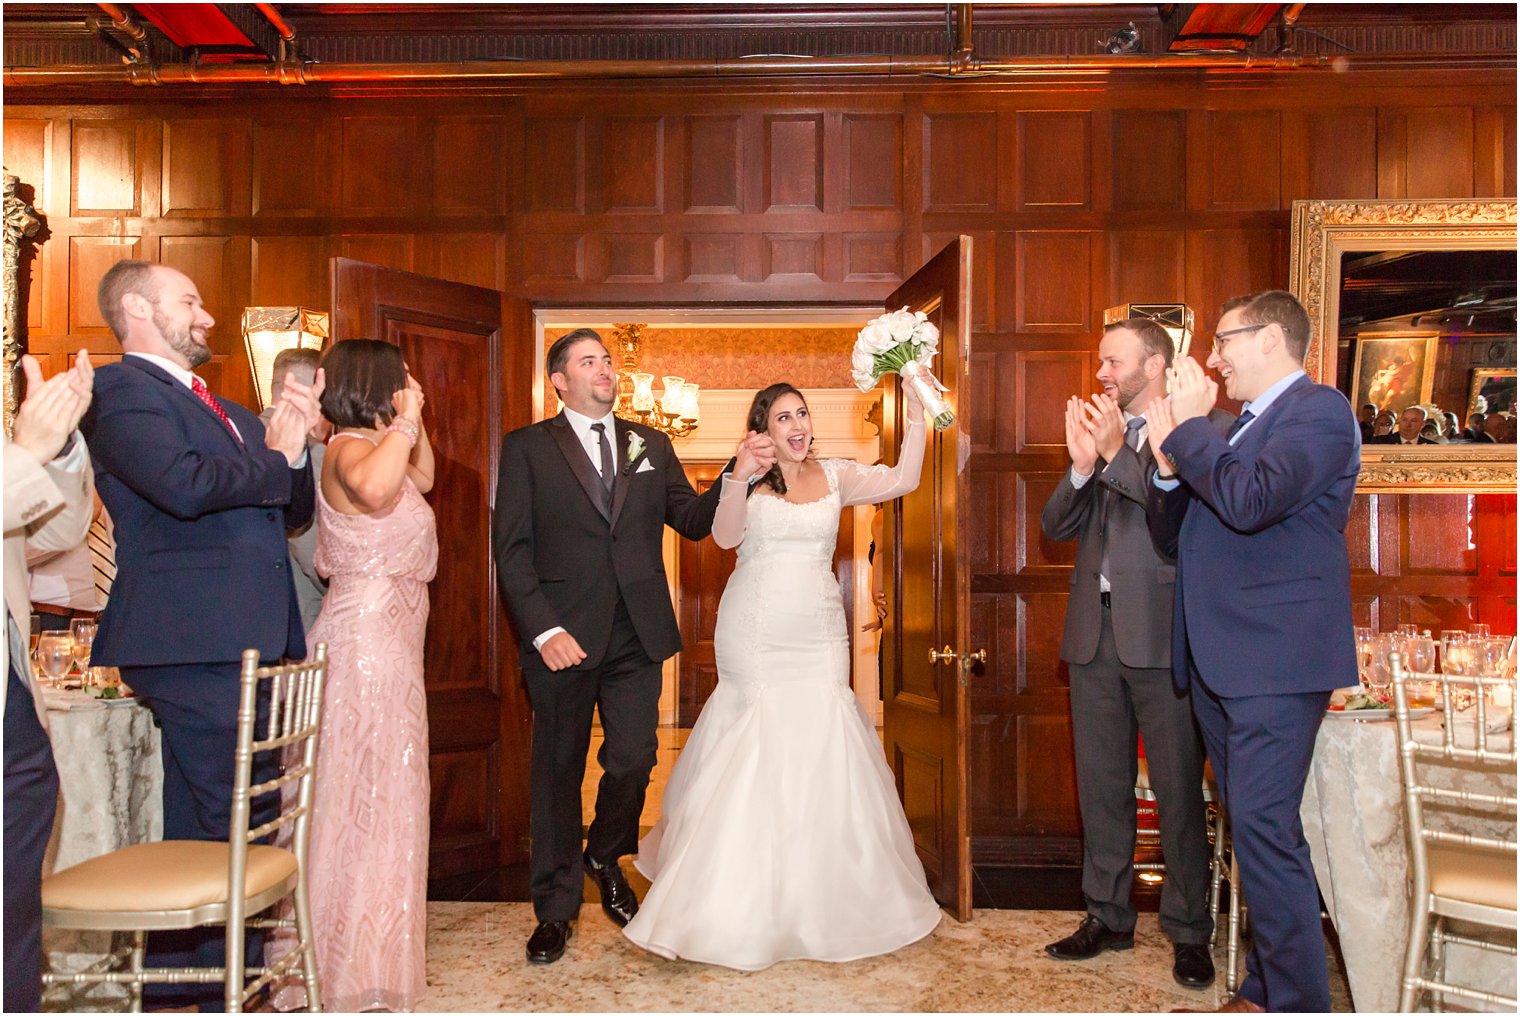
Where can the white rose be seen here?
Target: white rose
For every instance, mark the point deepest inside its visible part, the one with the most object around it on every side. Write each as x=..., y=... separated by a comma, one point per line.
x=902, y=324
x=928, y=342
x=876, y=337
x=863, y=369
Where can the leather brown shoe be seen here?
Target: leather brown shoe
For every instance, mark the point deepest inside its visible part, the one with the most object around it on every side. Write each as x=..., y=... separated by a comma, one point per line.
x=618, y=899
x=1192, y=966
x=1089, y=940
x=548, y=941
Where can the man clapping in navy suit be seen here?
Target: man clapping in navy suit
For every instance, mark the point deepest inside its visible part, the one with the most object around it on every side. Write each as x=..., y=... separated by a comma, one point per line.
x=1262, y=625
x=201, y=494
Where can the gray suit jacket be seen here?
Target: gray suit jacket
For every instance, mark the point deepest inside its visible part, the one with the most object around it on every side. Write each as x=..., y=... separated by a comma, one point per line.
x=1141, y=580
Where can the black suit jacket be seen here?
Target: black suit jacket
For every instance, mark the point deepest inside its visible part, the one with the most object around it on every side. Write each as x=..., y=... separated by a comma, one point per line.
x=202, y=571
x=1395, y=439
x=563, y=561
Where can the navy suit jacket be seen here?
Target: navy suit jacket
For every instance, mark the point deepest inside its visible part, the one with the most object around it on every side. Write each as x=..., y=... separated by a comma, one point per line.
x=202, y=571
x=1263, y=596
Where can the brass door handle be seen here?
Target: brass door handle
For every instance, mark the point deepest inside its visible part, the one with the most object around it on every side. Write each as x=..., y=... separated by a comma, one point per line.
x=980, y=656
x=946, y=655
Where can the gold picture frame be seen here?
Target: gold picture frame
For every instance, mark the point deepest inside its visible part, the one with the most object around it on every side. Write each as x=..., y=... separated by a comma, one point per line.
x=1482, y=384
x=1323, y=231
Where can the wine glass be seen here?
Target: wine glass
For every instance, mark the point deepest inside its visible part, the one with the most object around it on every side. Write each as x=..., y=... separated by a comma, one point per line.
x=1380, y=673
x=83, y=631
x=55, y=654
x=1363, y=635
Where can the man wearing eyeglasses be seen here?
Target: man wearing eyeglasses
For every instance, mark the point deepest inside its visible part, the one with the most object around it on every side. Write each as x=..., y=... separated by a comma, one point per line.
x=1262, y=624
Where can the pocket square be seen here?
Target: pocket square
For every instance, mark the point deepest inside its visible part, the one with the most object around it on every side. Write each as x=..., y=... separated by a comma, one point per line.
x=645, y=467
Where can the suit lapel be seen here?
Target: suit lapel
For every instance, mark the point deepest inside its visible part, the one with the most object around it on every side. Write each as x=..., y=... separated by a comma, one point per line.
x=580, y=465
x=622, y=465
x=153, y=370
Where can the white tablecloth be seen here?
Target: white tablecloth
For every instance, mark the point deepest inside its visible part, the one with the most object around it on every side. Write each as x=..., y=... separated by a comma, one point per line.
x=111, y=779
x=1353, y=815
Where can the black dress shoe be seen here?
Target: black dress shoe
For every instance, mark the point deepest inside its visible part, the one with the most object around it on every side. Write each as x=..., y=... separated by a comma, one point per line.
x=618, y=899
x=1192, y=966
x=548, y=941
x=1089, y=940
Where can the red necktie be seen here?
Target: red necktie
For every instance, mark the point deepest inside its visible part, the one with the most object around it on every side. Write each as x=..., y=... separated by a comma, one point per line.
x=204, y=394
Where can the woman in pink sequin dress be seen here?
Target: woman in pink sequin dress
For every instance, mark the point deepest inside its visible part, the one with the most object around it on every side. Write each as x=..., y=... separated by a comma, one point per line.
x=377, y=543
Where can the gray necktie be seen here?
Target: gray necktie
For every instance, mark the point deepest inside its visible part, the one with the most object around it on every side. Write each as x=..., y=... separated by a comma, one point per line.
x=607, y=472
x=1132, y=430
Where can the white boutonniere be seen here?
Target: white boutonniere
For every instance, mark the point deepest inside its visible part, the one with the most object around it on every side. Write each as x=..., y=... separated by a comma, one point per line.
x=635, y=448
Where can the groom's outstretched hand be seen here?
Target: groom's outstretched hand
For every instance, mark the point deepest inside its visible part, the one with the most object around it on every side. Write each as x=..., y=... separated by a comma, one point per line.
x=561, y=651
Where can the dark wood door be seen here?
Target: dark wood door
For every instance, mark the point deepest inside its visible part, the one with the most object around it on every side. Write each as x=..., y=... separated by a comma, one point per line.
x=451, y=336
x=702, y=572
x=925, y=704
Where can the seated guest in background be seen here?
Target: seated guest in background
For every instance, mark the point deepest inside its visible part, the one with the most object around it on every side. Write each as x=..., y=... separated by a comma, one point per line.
x=1262, y=624
x=1411, y=422
x=377, y=544
x=1474, y=433
x=1365, y=419
x=1385, y=423
x=47, y=508
x=1431, y=434
x=310, y=587
x=1452, y=429
x=1118, y=645
x=1500, y=428
x=73, y=584
x=201, y=493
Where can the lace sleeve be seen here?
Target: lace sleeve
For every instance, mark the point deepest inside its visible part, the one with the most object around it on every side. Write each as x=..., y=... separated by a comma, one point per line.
x=729, y=522
x=873, y=484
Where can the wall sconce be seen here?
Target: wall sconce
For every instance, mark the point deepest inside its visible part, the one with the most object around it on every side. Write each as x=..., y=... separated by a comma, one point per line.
x=1176, y=319
x=267, y=331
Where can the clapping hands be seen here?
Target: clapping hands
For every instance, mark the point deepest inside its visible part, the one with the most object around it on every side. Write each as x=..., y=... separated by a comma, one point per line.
x=755, y=456
x=297, y=412
x=1093, y=430
x=1193, y=392
x=52, y=408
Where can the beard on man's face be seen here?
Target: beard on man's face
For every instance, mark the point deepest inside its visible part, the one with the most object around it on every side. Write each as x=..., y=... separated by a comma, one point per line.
x=180, y=340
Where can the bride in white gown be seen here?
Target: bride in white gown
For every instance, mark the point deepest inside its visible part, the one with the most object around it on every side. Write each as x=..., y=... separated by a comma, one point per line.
x=781, y=835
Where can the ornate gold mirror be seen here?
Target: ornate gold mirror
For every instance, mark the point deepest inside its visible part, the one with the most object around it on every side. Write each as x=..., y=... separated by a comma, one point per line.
x=1413, y=304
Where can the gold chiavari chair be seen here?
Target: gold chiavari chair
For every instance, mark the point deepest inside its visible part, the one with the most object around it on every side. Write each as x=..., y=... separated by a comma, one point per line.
x=188, y=884
x=1457, y=875
x=1221, y=862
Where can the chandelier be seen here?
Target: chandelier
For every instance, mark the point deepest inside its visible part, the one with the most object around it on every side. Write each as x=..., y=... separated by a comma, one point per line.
x=674, y=410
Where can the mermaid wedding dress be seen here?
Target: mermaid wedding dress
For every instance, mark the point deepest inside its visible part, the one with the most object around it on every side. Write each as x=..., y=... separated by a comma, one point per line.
x=781, y=834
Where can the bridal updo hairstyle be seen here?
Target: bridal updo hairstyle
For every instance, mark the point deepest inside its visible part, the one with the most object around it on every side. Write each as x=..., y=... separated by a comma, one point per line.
x=759, y=421
x=362, y=375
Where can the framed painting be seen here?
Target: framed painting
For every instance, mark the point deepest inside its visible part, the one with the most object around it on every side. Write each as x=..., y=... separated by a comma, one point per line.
x=1394, y=373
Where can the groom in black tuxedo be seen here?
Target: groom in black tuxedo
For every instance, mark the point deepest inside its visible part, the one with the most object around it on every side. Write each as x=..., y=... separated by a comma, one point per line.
x=582, y=501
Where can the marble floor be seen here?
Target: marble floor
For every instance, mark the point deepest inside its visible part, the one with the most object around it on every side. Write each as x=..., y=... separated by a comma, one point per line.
x=994, y=963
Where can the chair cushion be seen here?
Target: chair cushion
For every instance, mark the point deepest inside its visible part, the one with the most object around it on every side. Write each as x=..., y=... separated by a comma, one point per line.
x=168, y=875
x=1472, y=874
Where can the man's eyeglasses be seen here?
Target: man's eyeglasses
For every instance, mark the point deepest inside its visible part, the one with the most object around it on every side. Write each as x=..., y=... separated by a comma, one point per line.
x=1220, y=338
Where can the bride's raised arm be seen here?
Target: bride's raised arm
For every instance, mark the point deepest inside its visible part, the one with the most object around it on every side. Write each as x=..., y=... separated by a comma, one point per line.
x=753, y=457
x=872, y=484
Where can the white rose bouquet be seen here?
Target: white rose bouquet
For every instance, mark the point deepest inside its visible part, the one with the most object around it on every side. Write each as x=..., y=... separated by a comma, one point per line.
x=902, y=342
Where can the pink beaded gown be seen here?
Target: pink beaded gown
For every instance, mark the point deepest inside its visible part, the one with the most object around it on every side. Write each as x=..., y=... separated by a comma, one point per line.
x=369, y=835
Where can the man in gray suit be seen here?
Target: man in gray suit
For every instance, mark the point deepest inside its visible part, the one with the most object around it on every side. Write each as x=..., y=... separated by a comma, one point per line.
x=310, y=586
x=1118, y=647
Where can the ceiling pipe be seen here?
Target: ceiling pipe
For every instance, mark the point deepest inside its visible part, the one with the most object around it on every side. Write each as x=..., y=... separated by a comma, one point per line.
x=552, y=70
x=289, y=54
x=131, y=29
x=963, y=57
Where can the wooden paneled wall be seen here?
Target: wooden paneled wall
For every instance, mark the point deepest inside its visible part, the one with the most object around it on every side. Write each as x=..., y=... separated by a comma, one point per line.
x=1079, y=196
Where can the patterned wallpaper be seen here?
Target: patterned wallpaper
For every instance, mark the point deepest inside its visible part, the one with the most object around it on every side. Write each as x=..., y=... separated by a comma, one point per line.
x=743, y=358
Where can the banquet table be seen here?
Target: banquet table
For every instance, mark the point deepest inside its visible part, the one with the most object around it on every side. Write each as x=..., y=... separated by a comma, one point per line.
x=110, y=774
x=1353, y=816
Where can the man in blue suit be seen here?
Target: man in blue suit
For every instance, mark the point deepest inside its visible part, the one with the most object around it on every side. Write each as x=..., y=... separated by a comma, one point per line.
x=201, y=494
x=1262, y=626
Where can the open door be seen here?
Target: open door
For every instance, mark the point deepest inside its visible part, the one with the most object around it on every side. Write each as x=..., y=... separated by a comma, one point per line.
x=451, y=336
x=925, y=704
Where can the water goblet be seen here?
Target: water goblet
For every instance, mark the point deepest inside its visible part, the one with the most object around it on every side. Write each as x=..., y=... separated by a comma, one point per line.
x=55, y=653
x=1421, y=657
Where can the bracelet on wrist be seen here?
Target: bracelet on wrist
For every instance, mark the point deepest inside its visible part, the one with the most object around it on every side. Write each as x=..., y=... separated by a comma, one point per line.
x=406, y=428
